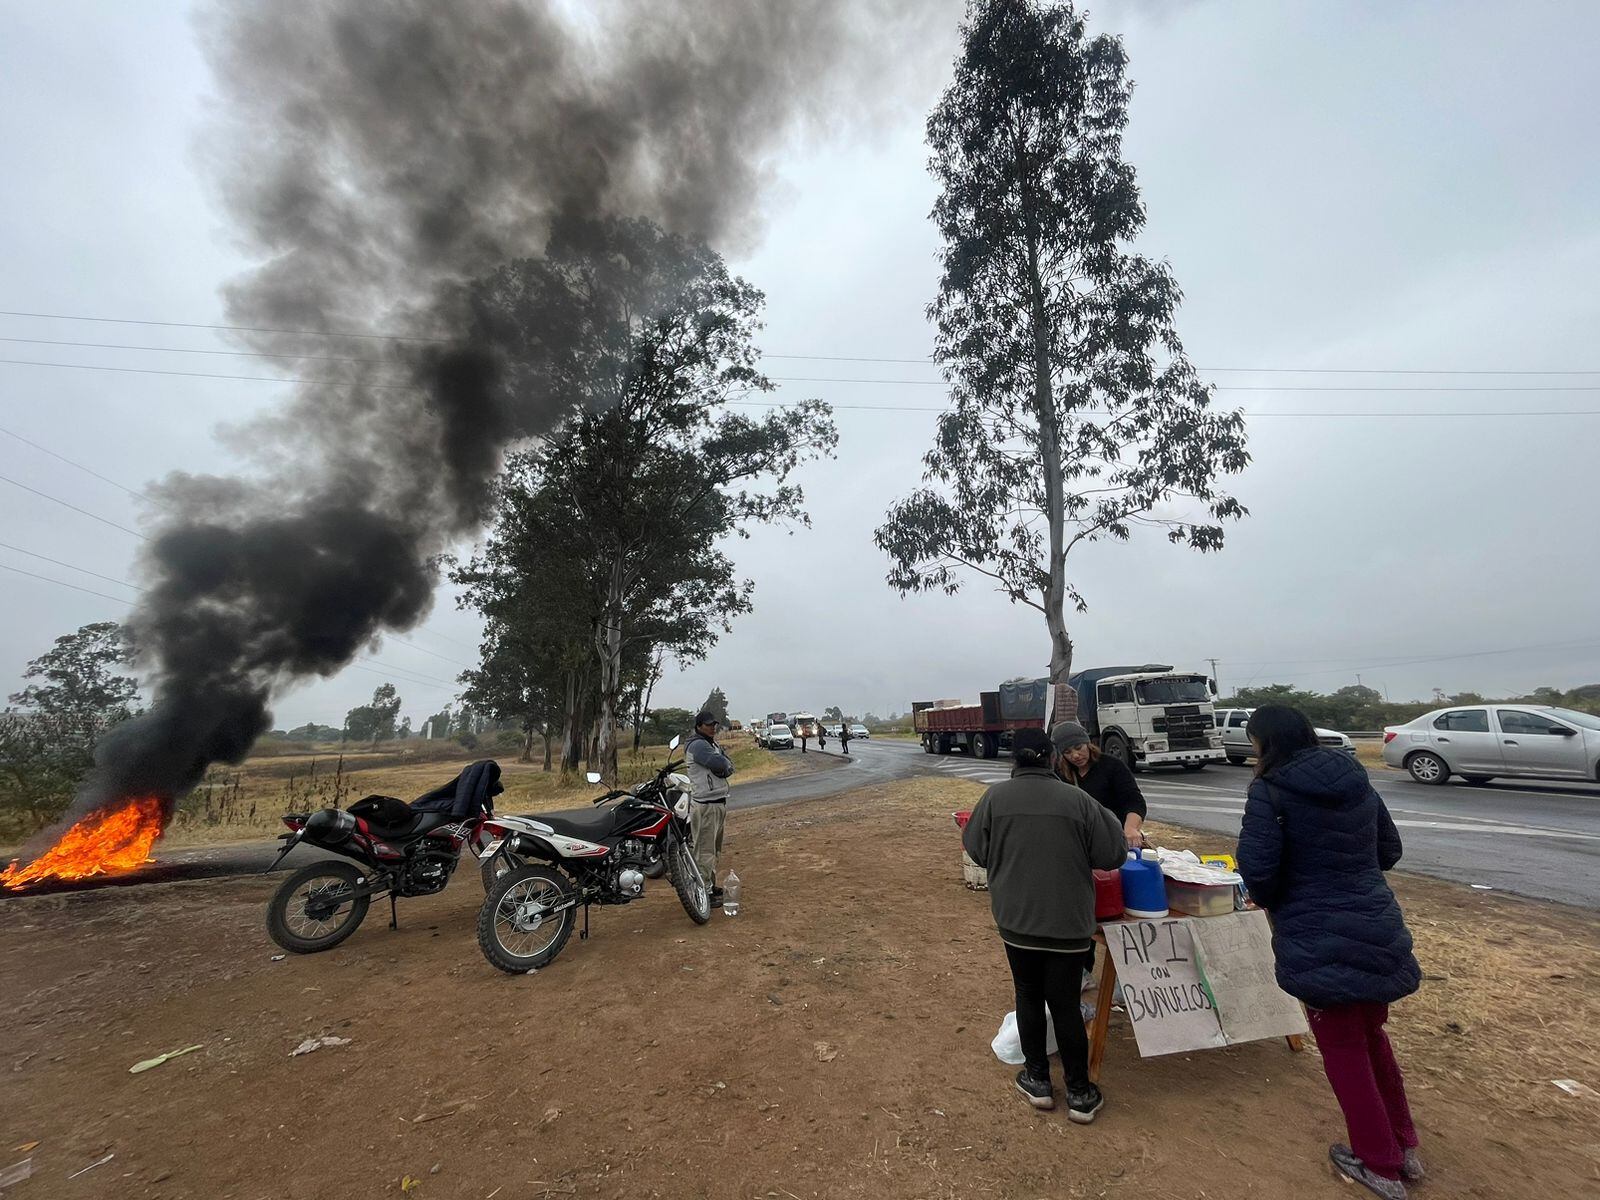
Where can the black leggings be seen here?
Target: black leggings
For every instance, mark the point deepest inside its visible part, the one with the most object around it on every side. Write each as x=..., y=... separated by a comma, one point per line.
x=1049, y=977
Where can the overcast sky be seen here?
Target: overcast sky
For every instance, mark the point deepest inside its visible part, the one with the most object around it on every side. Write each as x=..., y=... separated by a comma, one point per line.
x=1405, y=186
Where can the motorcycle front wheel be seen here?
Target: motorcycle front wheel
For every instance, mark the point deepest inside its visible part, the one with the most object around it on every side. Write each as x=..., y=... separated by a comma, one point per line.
x=688, y=883
x=516, y=929
x=314, y=909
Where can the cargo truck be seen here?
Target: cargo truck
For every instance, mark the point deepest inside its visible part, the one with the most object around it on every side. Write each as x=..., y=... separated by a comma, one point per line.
x=1148, y=716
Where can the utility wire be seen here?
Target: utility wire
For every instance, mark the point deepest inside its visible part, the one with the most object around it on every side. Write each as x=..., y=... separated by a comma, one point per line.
x=73, y=507
x=1576, y=387
x=74, y=463
x=385, y=337
x=190, y=350
x=70, y=567
x=402, y=337
x=914, y=408
x=395, y=672
x=63, y=583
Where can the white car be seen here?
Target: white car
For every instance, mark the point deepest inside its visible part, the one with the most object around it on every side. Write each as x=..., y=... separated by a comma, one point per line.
x=1236, y=741
x=1480, y=742
x=859, y=731
x=833, y=731
x=778, y=737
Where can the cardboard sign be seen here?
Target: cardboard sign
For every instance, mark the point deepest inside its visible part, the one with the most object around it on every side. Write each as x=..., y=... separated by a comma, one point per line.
x=1162, y=989
x=1196, y=983
x=1235, y=958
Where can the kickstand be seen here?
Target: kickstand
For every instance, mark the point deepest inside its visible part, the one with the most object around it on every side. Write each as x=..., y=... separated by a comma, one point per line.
x=584, y=935
x=394, y=917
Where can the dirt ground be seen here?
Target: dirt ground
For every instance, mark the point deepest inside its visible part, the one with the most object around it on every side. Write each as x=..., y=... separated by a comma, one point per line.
x=833, y=1040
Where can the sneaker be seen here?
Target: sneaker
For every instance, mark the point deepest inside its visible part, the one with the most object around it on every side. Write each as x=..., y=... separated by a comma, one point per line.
x=1411, y=1169
x=716, y=900
x=1356, y=1171
x=1034, y=1090
x=1083, y=1103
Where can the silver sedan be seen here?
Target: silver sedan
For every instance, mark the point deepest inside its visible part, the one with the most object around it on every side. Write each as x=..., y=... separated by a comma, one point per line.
x=1480, y=742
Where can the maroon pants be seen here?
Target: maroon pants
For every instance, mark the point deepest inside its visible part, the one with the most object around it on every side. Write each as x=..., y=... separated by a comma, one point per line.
x=1366, y=1081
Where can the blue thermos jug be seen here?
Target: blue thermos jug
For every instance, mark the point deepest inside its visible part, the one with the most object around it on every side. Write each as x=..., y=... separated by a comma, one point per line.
x=1144, y=888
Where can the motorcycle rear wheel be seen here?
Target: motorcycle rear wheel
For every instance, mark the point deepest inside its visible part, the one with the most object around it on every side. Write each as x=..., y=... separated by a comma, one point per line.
x=687, y=882
x=497, y=866
x=307, y=914
x=516, y=940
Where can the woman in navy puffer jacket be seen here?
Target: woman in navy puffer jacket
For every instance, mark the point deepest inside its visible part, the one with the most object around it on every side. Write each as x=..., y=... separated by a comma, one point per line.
x=1314, y=846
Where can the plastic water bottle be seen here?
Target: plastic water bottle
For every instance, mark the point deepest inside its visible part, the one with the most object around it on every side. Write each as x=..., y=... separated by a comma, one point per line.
x=730, y=894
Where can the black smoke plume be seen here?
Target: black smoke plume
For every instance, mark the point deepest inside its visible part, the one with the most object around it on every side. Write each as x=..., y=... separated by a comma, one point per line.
x=376, y=157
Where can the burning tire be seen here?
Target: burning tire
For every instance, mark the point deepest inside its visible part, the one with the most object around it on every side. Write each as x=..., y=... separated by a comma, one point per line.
x=316, y=908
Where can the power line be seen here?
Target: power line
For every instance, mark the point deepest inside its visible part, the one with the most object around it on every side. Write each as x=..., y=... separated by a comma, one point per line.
x=400, y=672
x=65, y=584
x=913, y=408
x=1249, y=412
x=403, y=337
x=70, y=567
x=386, y=337
x=73, y=463
x=1238, y=387
x=26, y=362
x=73, y=507
x=424, y=650
x=190, y=350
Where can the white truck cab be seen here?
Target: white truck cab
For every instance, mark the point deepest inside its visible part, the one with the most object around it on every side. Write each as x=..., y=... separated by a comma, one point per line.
x=1154, y=718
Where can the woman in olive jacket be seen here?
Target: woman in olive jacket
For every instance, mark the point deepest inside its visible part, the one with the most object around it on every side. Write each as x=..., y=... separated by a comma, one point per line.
x=1041, y=840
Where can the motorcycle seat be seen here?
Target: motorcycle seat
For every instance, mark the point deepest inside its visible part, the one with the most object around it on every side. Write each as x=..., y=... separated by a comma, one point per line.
x=590, y=826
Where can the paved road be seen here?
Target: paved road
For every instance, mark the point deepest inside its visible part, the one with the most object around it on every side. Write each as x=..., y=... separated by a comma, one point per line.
x=1535, y=839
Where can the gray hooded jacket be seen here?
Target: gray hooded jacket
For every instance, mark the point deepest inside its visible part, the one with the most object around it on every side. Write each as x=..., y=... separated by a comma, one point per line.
x=1041, y=840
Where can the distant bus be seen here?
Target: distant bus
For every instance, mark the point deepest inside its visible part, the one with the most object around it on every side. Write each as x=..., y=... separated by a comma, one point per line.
x=777, y=718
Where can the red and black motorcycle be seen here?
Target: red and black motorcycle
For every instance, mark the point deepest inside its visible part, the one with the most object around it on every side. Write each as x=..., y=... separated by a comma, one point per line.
x=397, y=848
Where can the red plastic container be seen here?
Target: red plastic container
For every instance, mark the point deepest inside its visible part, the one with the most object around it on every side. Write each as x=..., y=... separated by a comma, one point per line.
x=1107, y=895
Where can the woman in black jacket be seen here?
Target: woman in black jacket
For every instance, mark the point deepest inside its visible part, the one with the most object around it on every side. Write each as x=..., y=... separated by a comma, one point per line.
x=1313, y=850
x=1108, y=780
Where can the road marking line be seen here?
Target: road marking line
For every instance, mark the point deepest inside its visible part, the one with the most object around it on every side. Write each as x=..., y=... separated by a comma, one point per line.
x=1436, y=826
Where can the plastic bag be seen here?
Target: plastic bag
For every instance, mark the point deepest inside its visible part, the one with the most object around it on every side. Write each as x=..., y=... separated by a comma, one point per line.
x=1007, y=1044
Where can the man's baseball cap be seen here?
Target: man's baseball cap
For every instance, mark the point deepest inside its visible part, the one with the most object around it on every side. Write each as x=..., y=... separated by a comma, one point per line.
x=705, y=717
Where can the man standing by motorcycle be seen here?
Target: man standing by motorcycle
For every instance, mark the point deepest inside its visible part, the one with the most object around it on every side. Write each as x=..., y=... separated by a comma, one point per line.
x=708, y=769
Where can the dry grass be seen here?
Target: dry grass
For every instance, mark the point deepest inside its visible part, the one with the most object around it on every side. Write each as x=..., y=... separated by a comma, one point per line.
x=240, y=802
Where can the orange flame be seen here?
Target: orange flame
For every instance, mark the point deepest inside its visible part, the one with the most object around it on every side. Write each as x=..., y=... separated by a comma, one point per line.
x=103, y=843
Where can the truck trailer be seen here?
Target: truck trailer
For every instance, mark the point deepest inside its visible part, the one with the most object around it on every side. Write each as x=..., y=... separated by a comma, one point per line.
x=1148, y=716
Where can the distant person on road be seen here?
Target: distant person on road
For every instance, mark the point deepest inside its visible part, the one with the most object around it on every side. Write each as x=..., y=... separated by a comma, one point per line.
x=1041, y=839
x=804, y=734
x=844, y=739
x=708, y=769
x=822, y=737
x=1313, y=850
x=1108, y=780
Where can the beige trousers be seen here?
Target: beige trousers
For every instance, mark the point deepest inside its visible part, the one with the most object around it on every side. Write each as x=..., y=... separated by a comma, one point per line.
x=705, y=825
